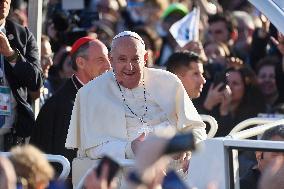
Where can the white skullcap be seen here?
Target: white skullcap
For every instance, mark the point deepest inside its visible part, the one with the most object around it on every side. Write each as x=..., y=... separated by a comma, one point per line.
x=130, y=34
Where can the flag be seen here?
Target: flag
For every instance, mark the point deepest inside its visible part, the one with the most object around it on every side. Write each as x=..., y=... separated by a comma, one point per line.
x=187, y=28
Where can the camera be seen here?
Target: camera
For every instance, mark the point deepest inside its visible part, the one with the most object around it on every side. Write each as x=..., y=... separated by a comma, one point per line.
x=180, y=143
x=113, y=168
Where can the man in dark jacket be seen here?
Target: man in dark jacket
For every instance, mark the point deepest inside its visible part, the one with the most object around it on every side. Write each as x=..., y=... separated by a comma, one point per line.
x=20, y=72
x=89, y=60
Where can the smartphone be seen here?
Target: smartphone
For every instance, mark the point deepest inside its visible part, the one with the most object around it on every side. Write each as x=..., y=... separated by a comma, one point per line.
x=220, y=78
x=172, y=181
x=180, y=143
x=113, y=168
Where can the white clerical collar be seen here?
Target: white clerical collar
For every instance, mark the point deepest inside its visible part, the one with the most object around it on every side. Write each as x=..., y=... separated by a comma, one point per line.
x=79, y=80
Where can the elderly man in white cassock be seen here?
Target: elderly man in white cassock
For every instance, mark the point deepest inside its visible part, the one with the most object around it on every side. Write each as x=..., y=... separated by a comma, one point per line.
x=113, y=113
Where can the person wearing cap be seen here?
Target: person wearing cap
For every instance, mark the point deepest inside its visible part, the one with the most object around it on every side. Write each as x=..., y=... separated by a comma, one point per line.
x=89, y=59
x=113, y=113
x=172, y=14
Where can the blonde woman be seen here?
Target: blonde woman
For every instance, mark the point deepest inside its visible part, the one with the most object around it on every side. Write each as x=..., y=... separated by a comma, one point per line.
x=32, y=166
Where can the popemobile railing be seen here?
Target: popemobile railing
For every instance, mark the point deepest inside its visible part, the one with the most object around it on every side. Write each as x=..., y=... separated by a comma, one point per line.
x=252, y=122
x=213, y=124
x=217, y=158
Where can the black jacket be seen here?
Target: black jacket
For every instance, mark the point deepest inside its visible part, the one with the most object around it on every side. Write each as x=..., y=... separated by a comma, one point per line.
x=25, y=76
x=53, y=121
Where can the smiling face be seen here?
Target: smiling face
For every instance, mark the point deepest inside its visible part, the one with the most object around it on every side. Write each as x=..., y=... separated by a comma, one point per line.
x=128, y=58
x=96, y=62
x=266, y=80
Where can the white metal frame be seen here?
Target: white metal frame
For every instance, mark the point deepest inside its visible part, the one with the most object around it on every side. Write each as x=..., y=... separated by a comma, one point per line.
x=213, y=124
x=250, y=122
x=212, y=161
x=35, y=26
x=255, y=130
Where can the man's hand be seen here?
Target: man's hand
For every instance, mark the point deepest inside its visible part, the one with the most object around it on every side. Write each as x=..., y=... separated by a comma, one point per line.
x=137, y=142
x=150, y=162
x=183, y=159
x=196, y=47
x=214, y=97
x=235, y=62
x=5, y=48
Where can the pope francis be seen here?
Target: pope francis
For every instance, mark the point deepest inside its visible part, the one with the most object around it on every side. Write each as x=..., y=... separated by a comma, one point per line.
x=113, y=113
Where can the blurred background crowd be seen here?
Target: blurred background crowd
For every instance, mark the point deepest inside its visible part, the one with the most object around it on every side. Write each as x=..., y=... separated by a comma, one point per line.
x=242, y=53
x=234, y=37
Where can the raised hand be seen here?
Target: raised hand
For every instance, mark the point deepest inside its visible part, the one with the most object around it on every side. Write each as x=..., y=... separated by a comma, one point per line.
x=279, y=42
x=5, y=48
x=214, y=96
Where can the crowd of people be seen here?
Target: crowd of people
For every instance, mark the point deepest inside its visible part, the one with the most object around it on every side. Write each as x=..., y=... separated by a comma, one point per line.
x=111, y=74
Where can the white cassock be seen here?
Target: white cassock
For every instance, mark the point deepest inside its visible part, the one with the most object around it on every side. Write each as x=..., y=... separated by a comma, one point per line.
x=101, y=123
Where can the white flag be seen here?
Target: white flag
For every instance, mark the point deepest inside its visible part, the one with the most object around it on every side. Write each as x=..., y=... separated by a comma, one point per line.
x=187, y=28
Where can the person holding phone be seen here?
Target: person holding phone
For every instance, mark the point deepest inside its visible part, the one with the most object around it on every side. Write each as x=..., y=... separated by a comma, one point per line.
x=230, y=104
x=95, y=181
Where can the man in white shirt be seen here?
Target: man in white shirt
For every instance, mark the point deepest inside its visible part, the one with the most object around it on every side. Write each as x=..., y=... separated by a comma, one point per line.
x=113, y=113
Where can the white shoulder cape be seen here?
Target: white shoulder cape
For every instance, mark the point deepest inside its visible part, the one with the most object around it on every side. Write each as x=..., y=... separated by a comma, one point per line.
x=98, y=114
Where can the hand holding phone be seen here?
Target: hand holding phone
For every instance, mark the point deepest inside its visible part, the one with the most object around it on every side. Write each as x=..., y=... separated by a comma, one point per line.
x=180, y=143
x=113, y=168
x=218, y=79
